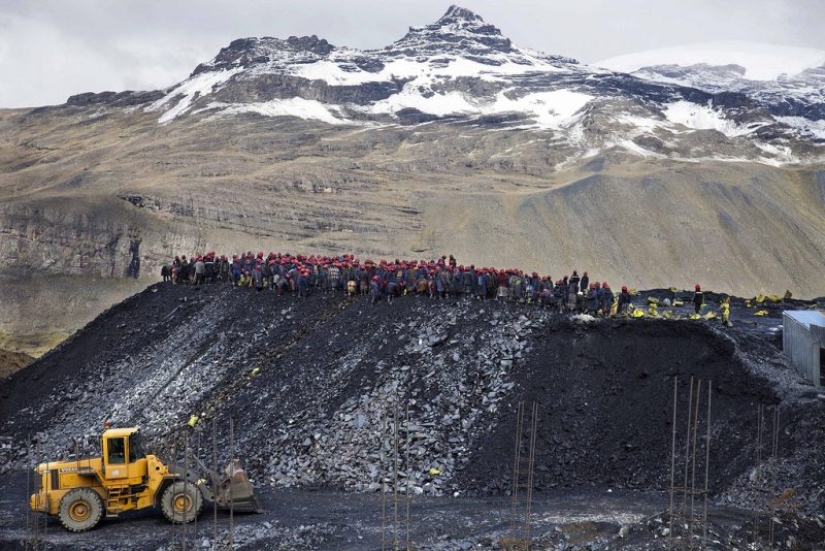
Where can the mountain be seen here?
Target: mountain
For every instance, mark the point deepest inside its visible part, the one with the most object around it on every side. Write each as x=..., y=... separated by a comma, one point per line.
x=451, y=140
x=789, y=81
x=752, y=61
x=462, y=67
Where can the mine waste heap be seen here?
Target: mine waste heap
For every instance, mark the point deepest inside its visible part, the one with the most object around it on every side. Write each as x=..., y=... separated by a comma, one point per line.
x=556, y=429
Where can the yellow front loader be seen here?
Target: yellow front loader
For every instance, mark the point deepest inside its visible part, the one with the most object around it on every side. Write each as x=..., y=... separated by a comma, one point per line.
x=82, y=491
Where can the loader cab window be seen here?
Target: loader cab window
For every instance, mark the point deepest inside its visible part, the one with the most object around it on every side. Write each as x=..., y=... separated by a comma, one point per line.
x=135, y=448
x=117, y=450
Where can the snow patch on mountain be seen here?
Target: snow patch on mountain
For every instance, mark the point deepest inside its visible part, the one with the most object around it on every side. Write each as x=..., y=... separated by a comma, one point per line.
x=292, y=107
x=554, y=109
x=191, y=89
x=341, y=72
x=759, y=61
x=635, y=148
x=813, y=129
x=704, y=117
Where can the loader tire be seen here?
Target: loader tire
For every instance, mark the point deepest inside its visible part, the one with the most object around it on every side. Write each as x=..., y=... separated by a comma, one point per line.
x=181, y=502
x=80, y=510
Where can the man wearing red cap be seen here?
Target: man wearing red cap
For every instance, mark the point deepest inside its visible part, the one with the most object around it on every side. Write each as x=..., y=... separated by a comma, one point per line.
x=624, y=300
x=698, y=299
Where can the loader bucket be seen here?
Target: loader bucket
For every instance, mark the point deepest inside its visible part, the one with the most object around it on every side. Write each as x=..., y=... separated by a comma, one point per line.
x=236, y=492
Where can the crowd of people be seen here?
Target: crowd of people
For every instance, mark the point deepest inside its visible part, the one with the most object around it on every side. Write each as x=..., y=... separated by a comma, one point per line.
x=301, y=275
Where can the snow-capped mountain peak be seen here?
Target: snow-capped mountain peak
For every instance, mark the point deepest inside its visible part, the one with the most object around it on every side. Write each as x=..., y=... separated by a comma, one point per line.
x=457, y=30
x=246, y=52
x=462, y=68
x=759, y=62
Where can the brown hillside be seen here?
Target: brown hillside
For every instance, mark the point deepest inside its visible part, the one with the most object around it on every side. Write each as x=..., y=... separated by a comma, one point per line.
x=80, y=185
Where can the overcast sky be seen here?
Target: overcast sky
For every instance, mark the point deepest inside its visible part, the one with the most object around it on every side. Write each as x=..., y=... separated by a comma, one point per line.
x=50, y=49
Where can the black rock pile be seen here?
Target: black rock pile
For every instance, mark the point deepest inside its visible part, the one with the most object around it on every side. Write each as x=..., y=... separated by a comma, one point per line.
x=419, y=395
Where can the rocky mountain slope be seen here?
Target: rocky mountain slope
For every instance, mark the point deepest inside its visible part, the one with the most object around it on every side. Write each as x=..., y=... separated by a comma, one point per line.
x=452, y=140
x=12, y=361
x=314, y=387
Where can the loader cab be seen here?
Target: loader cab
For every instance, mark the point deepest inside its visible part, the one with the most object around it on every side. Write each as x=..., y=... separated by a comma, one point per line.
x=123, y=457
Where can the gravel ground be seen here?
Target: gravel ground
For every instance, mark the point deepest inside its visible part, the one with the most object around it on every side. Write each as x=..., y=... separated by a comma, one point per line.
x=318, y=390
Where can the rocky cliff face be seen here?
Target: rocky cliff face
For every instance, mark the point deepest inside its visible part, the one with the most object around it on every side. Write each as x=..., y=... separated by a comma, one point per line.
x=452, y=140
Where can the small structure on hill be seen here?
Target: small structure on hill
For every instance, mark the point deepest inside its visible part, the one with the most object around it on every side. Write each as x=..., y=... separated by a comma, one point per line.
x=803, y=340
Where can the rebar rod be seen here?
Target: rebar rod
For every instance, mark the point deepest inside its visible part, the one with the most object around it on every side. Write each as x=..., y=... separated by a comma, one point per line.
x=35, y=520
x=183, y=526
x=36, y=525
x=46, y=484
x=407, y=470
x=758, y=483
x=531, y=465
x=687, y=446
x=774, y=458
x=28, y=483
x=231, y=473
x=516, y=470
x=673, y=461
x=175, y=528
x=707, y=473
x=215, y=470
x=395, y=481
x=198, y=455
x=693, y=466
x=384, y=474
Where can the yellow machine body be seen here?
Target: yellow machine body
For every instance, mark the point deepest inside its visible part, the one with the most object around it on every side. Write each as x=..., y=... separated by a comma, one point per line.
x=124, y=477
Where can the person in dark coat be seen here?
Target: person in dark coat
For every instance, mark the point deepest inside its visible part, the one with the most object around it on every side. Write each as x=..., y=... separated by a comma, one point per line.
x=698, y=299
x=375, y=289
x=585, y=282
x=573, y=282
x=624, y=300
x=592, y=299
x=606, y=299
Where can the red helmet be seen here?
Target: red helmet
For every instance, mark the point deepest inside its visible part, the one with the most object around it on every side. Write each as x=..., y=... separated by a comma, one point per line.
x=698, y=287
x=605, y=285
x=624, y=288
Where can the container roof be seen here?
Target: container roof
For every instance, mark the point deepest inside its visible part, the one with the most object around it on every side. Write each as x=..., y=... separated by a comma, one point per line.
x=807, y=317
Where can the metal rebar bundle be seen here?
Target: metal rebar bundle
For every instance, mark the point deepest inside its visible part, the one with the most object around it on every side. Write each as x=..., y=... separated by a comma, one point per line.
x=523, y=473
x=689, y=489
